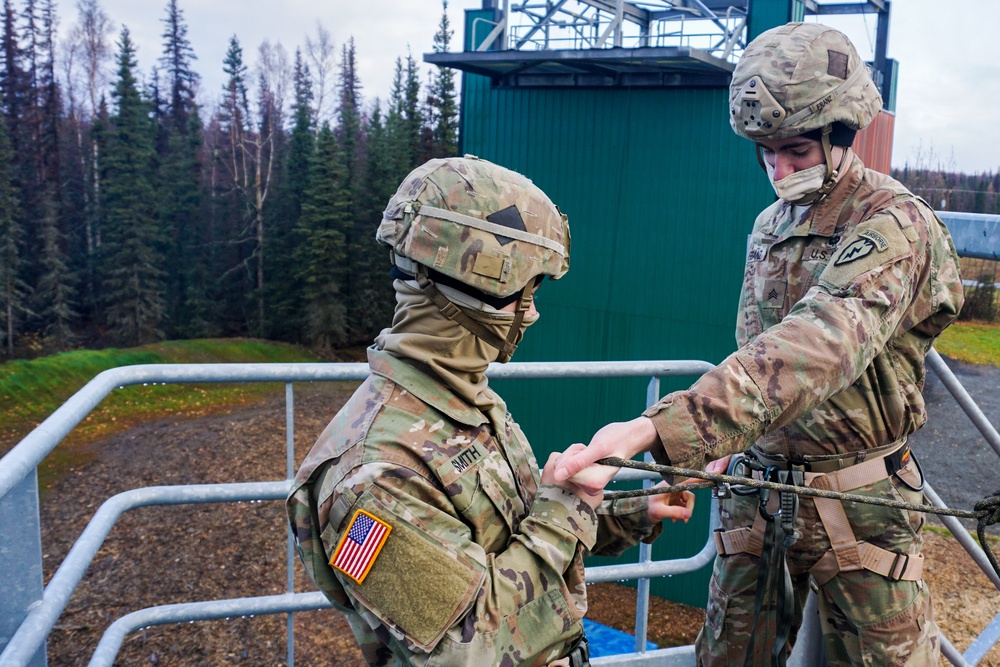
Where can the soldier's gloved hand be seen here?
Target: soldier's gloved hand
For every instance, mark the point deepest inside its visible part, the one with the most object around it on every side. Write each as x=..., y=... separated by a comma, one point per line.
x=586, y=493
x=618, y=439
x=674, y=506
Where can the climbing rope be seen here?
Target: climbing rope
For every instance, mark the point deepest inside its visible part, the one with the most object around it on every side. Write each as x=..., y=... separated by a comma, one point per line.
x=986, y=512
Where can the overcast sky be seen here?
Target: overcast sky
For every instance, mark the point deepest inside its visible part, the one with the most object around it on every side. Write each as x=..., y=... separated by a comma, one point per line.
x=947, y=100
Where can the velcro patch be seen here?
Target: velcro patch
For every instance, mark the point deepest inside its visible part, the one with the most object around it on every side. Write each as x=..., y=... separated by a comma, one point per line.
x=774, y=294
x=418, y=559
x=360, y=545
x=876, y=242
x=492, y=266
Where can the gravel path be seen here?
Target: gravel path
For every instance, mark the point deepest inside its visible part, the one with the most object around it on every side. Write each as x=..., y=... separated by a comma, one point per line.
x=957, y=461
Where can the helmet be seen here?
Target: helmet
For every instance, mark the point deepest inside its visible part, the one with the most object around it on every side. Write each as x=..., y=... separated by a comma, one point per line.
x=797, y=78
x=477, y=224
x=465, y=226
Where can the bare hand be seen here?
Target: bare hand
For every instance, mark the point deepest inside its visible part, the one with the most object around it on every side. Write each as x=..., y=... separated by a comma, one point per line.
x=673, y=506
x=618, y=439
x=586, y=493
x=719, y=466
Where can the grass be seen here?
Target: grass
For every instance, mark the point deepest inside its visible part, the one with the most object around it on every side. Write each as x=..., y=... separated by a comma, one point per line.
x=31, y=390
x=972, y=342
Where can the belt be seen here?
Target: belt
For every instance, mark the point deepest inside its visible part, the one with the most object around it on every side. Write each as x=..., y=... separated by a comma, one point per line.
x=894, y=462
x=578, y=656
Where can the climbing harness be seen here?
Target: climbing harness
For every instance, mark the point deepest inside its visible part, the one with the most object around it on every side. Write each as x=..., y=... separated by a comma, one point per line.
x=986, y=512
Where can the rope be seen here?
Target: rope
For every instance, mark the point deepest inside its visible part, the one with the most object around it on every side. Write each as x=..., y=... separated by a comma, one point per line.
x=986, y=512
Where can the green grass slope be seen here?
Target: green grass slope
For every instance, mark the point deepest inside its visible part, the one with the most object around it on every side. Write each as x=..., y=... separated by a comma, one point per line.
x=32, y=390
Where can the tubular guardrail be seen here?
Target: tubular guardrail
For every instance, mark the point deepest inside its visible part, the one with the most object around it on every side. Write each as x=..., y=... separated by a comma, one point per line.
x=29, y=613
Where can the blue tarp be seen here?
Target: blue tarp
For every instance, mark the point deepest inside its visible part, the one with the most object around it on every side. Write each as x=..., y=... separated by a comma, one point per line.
x=605, y=641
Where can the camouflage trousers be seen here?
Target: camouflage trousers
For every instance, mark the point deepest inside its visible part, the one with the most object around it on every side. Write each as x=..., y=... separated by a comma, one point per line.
x=866, y=619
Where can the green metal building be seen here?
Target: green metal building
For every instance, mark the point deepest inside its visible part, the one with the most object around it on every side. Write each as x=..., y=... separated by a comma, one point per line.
x=634, y=145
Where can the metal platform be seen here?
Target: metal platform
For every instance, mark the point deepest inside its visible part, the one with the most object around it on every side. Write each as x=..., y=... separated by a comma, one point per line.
x=630, y=43
x=659, y=67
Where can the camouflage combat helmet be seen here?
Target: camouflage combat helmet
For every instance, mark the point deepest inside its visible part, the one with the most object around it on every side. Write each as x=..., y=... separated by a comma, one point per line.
x=479, y=228
x=797, y=78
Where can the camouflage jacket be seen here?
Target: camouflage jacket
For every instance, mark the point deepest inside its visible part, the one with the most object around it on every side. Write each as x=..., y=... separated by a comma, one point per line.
x=841, y=302
x=481, y=564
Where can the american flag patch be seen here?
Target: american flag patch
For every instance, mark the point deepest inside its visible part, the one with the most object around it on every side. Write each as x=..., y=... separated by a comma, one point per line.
x=360, y=545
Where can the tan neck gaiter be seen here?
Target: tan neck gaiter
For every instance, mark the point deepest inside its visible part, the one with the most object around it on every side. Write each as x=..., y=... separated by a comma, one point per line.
x=421, y=332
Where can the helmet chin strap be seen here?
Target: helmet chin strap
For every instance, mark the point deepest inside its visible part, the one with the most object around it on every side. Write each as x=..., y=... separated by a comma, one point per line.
x=505, y=346
x=830, y=182
x=831, y=174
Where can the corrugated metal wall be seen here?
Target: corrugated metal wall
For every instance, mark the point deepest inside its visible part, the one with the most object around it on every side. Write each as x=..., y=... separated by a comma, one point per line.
x=661, y=196
x=874, y=143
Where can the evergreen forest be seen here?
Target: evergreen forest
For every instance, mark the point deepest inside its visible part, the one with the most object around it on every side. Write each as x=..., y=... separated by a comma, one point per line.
x=132, y=213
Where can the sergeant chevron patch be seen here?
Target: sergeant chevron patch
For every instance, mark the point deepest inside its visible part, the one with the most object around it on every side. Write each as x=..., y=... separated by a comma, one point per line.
x=360, y=545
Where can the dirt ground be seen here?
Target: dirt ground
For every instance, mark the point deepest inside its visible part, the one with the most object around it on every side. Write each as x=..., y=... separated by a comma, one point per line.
x=162, y=555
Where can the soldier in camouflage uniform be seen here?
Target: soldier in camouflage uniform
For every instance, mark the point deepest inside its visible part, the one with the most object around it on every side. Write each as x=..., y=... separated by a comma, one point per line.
x=420, y=512
x=849, y=279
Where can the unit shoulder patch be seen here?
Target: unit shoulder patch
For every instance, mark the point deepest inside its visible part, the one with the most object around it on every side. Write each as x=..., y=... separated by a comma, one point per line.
x=876, y=242
x=360, y=545
x=861, y=247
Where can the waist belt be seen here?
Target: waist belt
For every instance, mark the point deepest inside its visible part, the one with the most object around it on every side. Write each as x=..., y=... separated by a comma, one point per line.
x=895, y=457
x=578, y=656
x=847, y=552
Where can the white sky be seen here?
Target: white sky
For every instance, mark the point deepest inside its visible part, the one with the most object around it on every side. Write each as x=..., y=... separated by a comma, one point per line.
x=948, y=97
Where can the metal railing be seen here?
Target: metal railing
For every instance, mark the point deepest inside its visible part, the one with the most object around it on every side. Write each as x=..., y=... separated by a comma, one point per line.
x=29, y=612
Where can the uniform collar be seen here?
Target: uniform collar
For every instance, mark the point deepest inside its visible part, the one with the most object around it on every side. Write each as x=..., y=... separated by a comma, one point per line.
x=423, y=385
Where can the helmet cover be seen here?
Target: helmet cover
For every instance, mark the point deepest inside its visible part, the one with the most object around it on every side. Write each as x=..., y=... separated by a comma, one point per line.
x=797, y=78
x=477, y=223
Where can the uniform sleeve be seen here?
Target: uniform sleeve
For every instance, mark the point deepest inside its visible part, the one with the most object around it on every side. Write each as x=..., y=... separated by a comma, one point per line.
x=623, y=523
x=442, y=596
x=823, y=345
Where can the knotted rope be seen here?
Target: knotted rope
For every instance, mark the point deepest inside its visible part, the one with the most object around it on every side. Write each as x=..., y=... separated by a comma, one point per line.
x=986, y=512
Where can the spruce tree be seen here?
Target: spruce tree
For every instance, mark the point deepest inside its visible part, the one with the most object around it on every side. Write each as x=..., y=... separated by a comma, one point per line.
x=398, y=150
x=442, y=98
x=229, y=209
x=379, y=185
x=179, y=192
x=350, y=139
x=284, y=289
x=56, y=291
x=322, y=250
x=130, y=269
x=412, y=117
x=13, y=289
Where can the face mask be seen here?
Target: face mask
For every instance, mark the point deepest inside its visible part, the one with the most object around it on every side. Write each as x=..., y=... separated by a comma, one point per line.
x=501, y=324
x=798, y=186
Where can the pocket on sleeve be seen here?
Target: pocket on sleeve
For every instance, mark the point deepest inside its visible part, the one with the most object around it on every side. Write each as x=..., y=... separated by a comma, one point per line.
x=419, y=585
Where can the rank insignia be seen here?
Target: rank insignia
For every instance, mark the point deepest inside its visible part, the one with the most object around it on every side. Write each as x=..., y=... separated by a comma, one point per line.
x=360, y=545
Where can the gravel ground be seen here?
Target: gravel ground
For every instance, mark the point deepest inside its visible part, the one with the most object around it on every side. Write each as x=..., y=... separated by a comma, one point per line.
x=957, y=460
x=174, y=554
